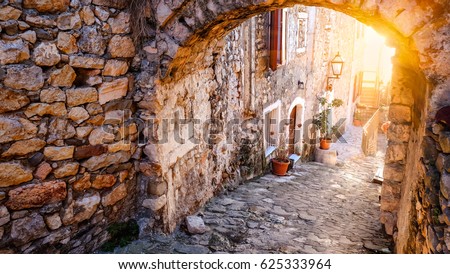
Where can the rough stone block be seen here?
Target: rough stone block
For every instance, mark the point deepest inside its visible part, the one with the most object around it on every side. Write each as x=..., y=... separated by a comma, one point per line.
x=157, y=188
x=43, y=171
x=36, y=195
x=81, y=209
x=91, y=41
x=121, y=47
x=46, y=54
x=60, y=129
x=443, y=162
x=27, y=229
x=52, y=95
x=5, y=217
x=9, y=13
x=120, y=24
x=389, y=204
x=395, y=153
x=29, y=36
x=101, y=13
x=11, y=100
x=119, y=146
x=399, y=114
x=69, y=21
x=22, y=148
x=389, y=222
x=69, y=169
x=67, y=43
x=41, y=22
x=150, y=169
x=115, y=68
x=97, y=162
x=87, y=15
x=399, y=133
x=78, y=115
x=29, y=78
x=57, y=236
x=195, y=225
x=63, y=77
x=13, y=52
x=394, y=172
x=59, y=153
x=53, y=221
x=115, y=195
x=112, y=90
x=83, y=183
x=118, y=4
x=51, y=6
x=41, y=109
x=155, y=204
x=84, y=152
x=14, y=129
x=444, y=141
x=79, y=96
x=13, y=173
x=103, y=181
x=445, y=185
x=86, y=62
x=100, y=136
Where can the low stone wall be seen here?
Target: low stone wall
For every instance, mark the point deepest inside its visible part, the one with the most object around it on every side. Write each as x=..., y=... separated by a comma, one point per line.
x=67, y=138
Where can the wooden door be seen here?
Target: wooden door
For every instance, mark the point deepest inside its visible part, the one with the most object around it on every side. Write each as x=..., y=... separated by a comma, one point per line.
x=292, y=125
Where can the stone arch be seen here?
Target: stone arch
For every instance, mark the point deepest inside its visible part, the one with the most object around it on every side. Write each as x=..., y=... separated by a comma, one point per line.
x=421, y=82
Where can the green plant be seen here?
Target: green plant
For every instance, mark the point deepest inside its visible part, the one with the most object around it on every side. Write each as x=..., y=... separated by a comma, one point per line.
x=121, y=235
x=321, y=120
x=357, y=115
x=282, y=152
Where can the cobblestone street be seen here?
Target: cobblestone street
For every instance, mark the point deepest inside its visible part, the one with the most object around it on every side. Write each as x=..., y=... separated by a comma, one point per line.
x=316, y=209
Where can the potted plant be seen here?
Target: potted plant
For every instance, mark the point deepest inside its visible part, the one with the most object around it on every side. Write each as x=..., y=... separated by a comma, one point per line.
x=357, y=120
x=321, y=120
x=280, y=163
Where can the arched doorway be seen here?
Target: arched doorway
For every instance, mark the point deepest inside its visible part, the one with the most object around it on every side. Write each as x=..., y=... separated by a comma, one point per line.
x=296, y=120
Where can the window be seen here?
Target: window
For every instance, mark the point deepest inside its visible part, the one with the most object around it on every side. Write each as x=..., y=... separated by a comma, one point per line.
x=277, y=43
x=271, y=121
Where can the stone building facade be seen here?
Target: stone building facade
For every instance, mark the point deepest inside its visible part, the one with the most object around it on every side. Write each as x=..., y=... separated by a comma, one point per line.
x=225, y=107
x=85, y=106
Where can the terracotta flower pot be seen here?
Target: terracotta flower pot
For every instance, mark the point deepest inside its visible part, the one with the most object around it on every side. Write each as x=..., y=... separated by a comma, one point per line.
x=357, y=123
x=325, y=143
x=280, y=167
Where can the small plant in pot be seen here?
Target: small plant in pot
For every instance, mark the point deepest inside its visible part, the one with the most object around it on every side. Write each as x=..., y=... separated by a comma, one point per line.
x=357, y=118
x=280, y=163
x=322, y=121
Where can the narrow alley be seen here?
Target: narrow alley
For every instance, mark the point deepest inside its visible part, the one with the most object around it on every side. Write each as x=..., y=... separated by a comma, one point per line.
x=315, y=209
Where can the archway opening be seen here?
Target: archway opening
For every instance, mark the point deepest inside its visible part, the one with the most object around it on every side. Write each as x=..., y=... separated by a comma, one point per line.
x=189, y=46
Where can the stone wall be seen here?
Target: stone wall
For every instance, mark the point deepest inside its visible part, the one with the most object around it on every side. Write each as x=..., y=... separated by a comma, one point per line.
x=67, y=138
x=218, y=111
x=418, y=31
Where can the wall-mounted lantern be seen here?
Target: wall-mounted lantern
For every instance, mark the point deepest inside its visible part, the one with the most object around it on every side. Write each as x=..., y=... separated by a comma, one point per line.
x=301, y=85
x=336, y=67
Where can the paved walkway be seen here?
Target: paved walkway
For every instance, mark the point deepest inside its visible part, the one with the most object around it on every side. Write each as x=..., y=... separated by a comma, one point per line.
x=316, y=209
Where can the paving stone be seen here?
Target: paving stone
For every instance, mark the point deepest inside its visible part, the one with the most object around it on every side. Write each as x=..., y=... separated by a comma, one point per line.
x=311, y=211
